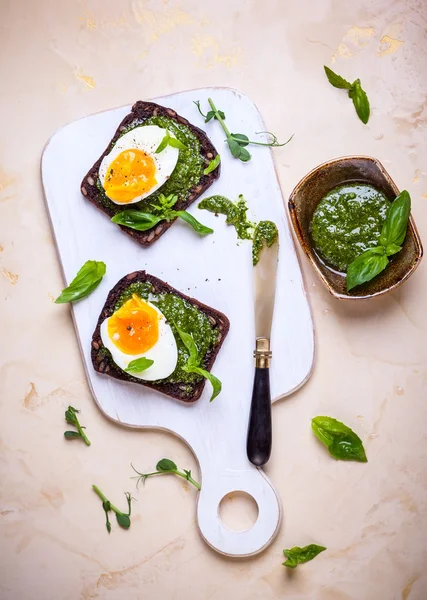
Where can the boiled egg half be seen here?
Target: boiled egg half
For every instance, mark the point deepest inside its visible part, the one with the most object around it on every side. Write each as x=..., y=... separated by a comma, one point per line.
x=139, y=329
x=132, y=170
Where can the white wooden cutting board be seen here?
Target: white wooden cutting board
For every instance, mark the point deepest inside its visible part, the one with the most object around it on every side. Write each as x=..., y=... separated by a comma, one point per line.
x=217, y=270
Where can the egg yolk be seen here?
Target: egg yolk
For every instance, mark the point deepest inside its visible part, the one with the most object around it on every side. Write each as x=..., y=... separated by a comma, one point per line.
x=131, y=174
x=134, y=328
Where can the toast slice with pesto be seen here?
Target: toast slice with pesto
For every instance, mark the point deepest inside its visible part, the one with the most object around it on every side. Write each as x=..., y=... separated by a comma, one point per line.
x=134, y=178
x=144, y=315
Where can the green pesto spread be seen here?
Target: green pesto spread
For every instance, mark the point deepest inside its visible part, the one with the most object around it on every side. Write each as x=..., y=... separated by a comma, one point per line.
x=188, y=317
x=188, y=170
x=266, y=232
x=235, y=213
x=348, y=221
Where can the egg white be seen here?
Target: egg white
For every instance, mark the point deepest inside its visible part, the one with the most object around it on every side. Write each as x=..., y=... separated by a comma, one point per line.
x=147, y=139
x=164, y=353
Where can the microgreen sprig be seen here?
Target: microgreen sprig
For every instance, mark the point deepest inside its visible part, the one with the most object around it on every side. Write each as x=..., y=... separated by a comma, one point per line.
x=164, y=467
x=123, y=519
x=71, y=418
x=210, y=114
x=237, y=142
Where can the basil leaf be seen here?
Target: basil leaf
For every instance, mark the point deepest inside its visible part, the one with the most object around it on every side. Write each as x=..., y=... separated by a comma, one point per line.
x=71, y=435
x=392, y=249
x=190, y=344
x=163, y=143
x=341, y=441
x=175, y=143
x=215, y=382
x=166, y=465
x=169, y=140
x=365, y=267
x=192, y=364
x=336, y=80
x=123, y=520
x=296, y=555
x=168, y=201
x=135, y=219
x=240, y=138
x=139, y=364
x=212, y=165
x=195, y=224
x=360, y=101
x=378, y=250
x=87, y=279
x=396, y=223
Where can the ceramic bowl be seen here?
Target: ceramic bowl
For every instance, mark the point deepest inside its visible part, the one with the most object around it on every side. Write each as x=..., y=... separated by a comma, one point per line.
x=307, y=195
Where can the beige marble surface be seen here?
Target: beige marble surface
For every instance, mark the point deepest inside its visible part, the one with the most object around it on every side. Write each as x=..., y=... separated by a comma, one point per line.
x=62, y=60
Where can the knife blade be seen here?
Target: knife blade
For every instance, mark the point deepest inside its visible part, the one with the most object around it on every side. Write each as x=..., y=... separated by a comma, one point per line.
x=258, y=445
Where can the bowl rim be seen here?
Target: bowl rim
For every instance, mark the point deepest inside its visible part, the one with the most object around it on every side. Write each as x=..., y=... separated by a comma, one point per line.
x=308, y=248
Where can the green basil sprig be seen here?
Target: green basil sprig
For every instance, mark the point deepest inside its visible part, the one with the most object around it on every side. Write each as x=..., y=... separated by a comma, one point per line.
x=355, y=92
x=143, y=221
x=139, y=364
x=212, y=165
x=193, y=362
x=163, y=467
x=169, y=140
x=84, y=283
x=368, y=265
x=341, y=441
x=296, y=556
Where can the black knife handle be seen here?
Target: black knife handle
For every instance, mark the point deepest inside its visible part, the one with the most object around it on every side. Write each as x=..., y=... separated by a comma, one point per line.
x=258, y=444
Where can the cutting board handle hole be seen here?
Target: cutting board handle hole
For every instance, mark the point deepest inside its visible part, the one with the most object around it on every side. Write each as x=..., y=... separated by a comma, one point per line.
x=238, y=511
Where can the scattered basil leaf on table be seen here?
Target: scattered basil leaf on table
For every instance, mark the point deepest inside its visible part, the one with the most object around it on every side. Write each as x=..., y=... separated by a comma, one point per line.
x=296, y=556
x=84, y=283
x=123, y=519
x=237, y=141
x=163, y=467
x=169, y=140
x=341, y=441
x=193, y=362
x=360, y=101
x=355, y=92
x=143, y=221
x=370, y=263
x=72, y=419
x=139, y=364
x=212, y=165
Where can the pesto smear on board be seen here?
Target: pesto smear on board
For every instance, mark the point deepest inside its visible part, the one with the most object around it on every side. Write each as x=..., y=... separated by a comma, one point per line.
x=188, y=318
x=235, y=213
x=348, y=221
x=188, y=170
x=267, y=233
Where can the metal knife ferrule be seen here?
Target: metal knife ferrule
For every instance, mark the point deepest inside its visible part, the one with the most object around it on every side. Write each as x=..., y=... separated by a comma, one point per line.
x=262, y=353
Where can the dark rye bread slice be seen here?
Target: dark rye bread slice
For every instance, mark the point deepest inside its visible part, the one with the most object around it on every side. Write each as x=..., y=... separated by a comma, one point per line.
x=142, y=111
x=103, y=362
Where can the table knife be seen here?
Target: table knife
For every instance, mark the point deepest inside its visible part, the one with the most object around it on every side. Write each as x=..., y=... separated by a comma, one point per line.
x=258, y=445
